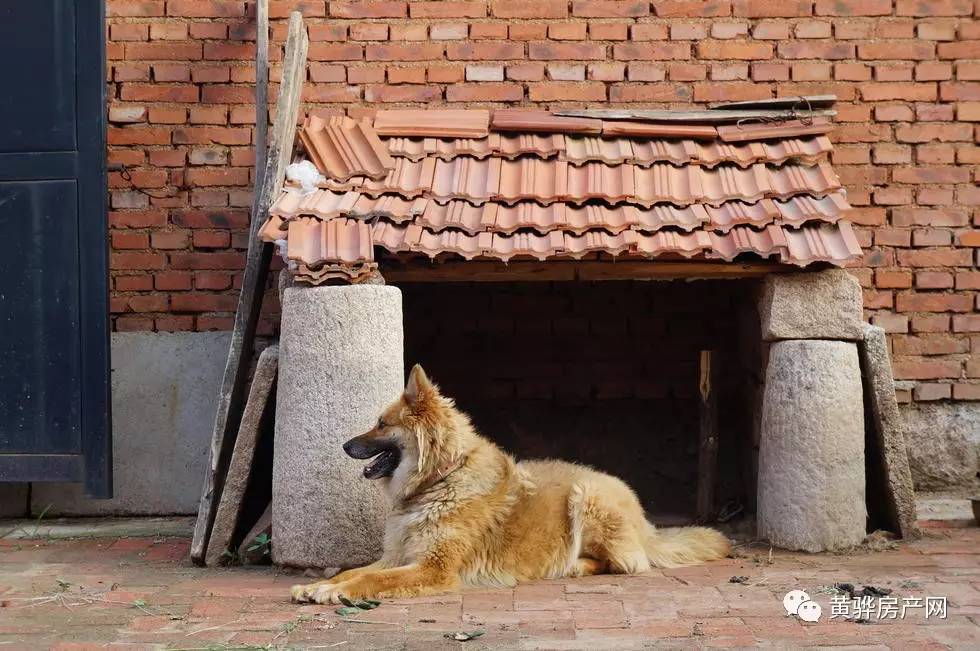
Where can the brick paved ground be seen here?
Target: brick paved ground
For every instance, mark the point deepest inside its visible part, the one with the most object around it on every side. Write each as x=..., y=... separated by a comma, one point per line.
x=141, y=592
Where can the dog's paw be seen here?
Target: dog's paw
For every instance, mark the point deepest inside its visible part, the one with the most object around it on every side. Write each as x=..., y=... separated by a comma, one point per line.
x=302, y=593
x=327, y=593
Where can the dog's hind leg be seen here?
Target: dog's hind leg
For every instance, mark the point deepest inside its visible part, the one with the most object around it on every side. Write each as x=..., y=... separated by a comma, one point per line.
x=606, y=512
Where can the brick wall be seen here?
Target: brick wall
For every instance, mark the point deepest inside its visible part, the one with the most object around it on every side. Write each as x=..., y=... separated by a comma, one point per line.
x=907, y=73
x=603, y=373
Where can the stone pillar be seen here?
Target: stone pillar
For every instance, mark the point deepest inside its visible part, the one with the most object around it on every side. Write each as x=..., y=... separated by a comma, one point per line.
x=811, y=488
x=341, y=363
x=811, y=451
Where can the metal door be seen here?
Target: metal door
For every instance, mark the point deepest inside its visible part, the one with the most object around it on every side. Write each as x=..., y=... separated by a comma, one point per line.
x=54, y=346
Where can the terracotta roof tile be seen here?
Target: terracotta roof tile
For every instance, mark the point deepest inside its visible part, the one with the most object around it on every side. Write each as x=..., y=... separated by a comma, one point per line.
x=537, y=121
x=766, y=130
x=649, y=129
x=546, y=181
x=341, y=148
x=440, y=123
x=522, y=194
x=644, y=152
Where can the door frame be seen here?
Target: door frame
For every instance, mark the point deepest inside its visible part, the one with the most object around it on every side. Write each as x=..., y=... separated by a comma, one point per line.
x=87, y=166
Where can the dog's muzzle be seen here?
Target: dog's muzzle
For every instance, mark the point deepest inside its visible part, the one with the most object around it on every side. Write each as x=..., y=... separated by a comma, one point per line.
x=386, y=454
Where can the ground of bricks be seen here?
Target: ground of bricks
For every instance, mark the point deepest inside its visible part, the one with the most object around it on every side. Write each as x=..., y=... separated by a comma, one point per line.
x=145, y=593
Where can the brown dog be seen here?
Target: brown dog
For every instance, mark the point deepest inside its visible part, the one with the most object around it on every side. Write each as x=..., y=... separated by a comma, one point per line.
x=465, y=513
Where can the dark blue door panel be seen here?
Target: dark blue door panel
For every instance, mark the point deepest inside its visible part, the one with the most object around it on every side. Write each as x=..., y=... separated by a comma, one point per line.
x=40, y=409
x=54, y=345
x=38, y=99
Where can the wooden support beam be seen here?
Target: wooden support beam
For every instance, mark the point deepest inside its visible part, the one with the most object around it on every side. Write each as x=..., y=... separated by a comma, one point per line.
x=261, y=90
x=232, y=392
x=707, y=436
x=421, y=270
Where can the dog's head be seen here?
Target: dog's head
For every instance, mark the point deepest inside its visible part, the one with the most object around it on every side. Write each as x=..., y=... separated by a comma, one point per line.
x=414, y=437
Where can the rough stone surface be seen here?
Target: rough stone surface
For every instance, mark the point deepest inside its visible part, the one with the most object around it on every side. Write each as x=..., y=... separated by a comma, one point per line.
x=811, y=493
x=943, y=443
x=163, y=403
x=814, y=305
x=889, y=429
x=341, y=364
x=240, y=467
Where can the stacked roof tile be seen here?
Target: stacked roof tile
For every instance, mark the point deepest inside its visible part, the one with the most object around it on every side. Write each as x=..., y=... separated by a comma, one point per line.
x=523, y=183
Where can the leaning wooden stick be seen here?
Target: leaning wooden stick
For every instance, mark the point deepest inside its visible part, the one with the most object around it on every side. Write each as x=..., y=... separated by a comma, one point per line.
x=232, y=391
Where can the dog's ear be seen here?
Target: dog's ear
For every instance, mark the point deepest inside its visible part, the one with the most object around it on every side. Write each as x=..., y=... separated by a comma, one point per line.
x=418, y=384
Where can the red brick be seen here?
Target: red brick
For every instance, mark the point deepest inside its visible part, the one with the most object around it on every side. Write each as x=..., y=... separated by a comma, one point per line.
x=164, y=51
x=966, y=323
x=134, y=8
x=172, y=281
x=854, y=7
x=199, y=302
x=934, y=8
x=485, y=92
x=524, y=9
x=485, y=50
x=648, y=92
x=911, y=368
x=566, y=51
x=567, y=91
x=447, y=9
x=931, y=391
x=964, y=391
x=734, y=50
x=933, y=302
x=368, y=9
x=896, y=49
x=692, y=8
x=568, y=31
x=829, y=50
x=212, y=280
x=770, y=9
x=610, y=8
x=651, y=51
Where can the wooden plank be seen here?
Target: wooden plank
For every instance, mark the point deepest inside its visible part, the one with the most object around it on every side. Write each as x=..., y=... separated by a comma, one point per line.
x=231, y=393
x=804, y=102
x=703, y=117
x=707, y=436
x=261, y=89
x=563, y=270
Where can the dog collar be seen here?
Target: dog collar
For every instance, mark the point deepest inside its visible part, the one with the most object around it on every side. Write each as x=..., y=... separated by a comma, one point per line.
x=441, y=474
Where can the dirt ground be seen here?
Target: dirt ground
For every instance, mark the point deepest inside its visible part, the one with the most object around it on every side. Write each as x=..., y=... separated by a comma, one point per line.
x=143, y=592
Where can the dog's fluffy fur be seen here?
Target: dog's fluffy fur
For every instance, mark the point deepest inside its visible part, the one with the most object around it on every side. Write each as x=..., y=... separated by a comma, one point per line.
x=465, y=513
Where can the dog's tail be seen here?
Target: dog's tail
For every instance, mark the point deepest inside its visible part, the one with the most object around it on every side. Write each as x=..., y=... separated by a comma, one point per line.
x=677, y=546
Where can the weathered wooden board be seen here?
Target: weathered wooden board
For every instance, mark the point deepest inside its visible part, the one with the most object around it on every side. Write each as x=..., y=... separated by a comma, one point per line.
x=708, y=436
x=231, y=393
x=707, y=116
x=261, y=90
x=811, y=101
x=557, y=270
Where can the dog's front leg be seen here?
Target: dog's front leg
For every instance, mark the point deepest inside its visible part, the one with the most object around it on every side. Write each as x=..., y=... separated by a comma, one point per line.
x=397, y=582
x=305, y=592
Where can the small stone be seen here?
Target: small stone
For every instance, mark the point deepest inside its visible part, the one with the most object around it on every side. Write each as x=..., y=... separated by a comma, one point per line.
x=815, y=305
x=484, y=73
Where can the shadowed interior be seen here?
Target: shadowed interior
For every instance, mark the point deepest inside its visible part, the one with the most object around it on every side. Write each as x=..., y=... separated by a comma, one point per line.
x=601, y=373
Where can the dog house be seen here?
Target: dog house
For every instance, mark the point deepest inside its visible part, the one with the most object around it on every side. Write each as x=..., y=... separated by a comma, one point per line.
x=655, y=293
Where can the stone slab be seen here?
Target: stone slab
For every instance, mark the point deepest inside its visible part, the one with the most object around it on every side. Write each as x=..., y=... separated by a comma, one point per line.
x=889, y=430
x=812, y=305
x=341, y=363
x=163, y=388
x=811, y=488
x=240, y=467
x=68, y=528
